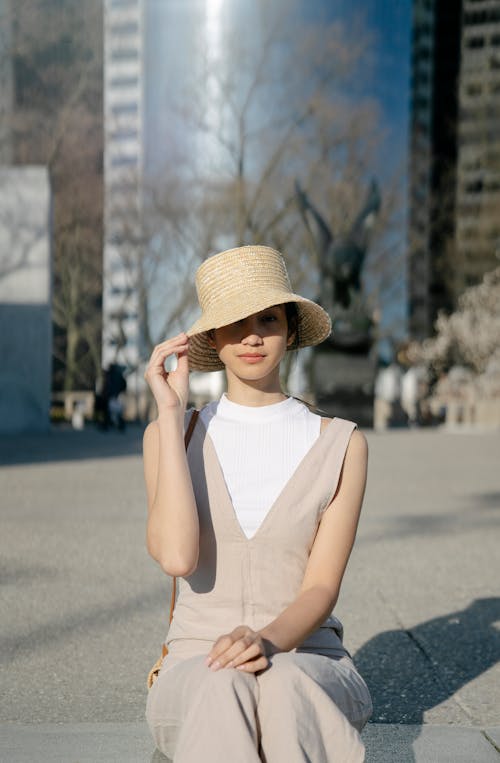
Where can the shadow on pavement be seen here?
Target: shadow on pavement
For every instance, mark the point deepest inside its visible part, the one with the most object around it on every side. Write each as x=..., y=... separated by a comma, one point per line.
x=65, y=444
x=479, y=511
x=411, y=671
x=490, y=500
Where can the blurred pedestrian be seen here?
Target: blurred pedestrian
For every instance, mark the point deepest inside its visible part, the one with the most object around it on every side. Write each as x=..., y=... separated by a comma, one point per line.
x=413, y=386
x=388, y=410
x=111, y=398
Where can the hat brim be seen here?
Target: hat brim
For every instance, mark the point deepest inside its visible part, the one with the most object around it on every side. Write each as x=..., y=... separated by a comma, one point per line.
x=314, y=326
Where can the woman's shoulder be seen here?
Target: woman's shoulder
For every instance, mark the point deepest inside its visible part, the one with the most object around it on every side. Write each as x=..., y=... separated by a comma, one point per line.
x=358, y=444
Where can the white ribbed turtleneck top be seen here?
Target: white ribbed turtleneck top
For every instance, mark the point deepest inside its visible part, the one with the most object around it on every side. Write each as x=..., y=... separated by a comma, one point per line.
x=258, y=449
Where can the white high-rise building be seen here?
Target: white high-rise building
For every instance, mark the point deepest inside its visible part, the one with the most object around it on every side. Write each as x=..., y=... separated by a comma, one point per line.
x=123, y=169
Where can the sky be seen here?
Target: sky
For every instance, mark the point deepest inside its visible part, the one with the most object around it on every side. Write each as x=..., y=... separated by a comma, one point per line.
x=385, y=77
x=388, y=77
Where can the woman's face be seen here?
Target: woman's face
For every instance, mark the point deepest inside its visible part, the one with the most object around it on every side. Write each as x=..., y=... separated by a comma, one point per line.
x=253, y=347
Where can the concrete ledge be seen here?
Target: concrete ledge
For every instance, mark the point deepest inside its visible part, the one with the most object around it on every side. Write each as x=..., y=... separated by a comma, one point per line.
x=131, y=743
x=75, y=743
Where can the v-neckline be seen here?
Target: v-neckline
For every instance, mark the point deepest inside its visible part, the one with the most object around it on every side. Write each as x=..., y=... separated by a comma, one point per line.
x=273, y=508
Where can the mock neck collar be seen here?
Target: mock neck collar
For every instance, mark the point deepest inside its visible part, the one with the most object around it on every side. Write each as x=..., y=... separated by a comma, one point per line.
x=258, y=413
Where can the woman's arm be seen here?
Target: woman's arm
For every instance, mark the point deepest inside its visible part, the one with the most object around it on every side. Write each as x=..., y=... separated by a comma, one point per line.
x=172, y=528
x=320, y=588
x=329, y=555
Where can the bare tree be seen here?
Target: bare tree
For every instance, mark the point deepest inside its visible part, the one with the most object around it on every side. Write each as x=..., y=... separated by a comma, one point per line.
x=20, y=235
x=262, y=113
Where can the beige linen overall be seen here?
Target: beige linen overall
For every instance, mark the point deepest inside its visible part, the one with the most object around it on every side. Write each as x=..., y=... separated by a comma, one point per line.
x=310, y=704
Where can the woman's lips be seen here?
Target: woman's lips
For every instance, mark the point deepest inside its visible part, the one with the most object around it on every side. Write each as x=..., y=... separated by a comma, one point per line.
x=251, y=358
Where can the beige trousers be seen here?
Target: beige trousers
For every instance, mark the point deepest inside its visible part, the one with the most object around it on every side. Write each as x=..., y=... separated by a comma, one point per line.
x=305, y=708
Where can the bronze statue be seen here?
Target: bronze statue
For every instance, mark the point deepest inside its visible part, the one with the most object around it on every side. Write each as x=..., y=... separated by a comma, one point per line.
x=340, y=257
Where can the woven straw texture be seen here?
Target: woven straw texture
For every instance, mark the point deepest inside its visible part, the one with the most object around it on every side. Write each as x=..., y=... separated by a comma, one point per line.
x=236, y=283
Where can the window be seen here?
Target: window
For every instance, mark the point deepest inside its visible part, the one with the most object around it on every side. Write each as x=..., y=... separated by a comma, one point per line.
x=120, y=82
x=124, y=54
x=485, y=16
x=122, y=291
x=123, y=315
x=474, y=88
x=125, y=108
x=123, y=3
x=124, y=133
x=124, y=187
x=124, y=161
x=475, y=42
x=126, y=28
x=129, y=342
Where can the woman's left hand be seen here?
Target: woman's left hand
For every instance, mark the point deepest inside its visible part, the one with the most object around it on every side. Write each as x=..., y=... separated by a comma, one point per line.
x=243, y=648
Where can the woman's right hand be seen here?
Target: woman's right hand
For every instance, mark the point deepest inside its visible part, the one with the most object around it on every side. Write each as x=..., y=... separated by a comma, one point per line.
x=170, y=388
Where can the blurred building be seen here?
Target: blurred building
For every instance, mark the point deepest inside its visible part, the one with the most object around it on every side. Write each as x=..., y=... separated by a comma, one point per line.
x=123, y=180
x=25, y=299
x=51, y=115
x=433, y=157
x=25, y=268
x=151, y=49
x=477, y=232
x=454, y=205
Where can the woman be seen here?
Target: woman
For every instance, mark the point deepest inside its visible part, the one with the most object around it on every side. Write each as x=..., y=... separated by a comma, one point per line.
x=258, y=520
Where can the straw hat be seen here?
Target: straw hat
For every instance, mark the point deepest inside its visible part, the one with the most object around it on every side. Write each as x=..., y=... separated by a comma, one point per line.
x=236, y=283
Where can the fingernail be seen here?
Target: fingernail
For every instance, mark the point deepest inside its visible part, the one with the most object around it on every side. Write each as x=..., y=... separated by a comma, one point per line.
x=240, y=667
x=208, y=661
x=215, y=665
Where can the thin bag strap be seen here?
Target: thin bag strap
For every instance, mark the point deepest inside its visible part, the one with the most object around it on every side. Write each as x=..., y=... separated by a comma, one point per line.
x=191, y=426
x=187, y=437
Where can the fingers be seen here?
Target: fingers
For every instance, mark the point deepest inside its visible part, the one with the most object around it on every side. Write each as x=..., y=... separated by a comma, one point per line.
x=241, y=647
x=182, y=361
x=170, y=388
x=253, y=652
x=171, y=345
x=178, y=345
x=242, y=650
x=254, y=666
x=216, y=658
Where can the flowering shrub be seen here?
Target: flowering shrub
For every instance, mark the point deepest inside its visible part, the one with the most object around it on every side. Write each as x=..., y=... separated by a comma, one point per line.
x=467, y=341
x=470, y=336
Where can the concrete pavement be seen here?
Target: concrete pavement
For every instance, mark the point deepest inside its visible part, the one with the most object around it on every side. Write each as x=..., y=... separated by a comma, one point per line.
x=131, y=743
x=83, y=609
